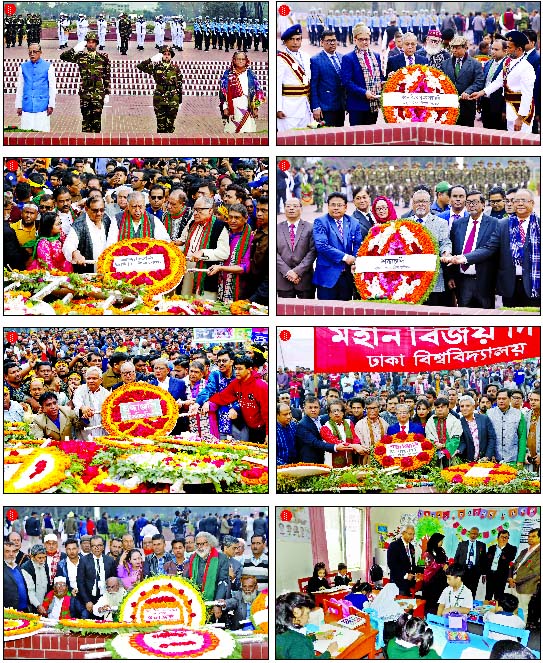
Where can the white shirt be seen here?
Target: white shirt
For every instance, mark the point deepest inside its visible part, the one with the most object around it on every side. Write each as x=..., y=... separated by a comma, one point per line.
x=164, y=384
x=55, y=608
x=98, y=240
x=462, y=598
x=52, y=81
x=471, y=269
x=99, y=586
x=72, y=573
x=160, y=232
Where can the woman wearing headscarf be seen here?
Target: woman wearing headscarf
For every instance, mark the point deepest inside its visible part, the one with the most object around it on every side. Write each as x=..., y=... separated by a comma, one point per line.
x=383, y=210
x=434, y=579
x=240, y=96
x=47, y=247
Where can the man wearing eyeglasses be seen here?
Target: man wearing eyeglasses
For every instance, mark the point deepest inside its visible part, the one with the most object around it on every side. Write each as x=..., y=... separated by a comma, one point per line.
x=327, y=91
x=36, y=91
x=434, y=50
x=93, y=571
x=135, y=222
x=87, y=237
x=496, y=200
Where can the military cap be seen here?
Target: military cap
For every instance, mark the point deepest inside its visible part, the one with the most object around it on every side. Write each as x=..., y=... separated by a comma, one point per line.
x=167, y=49
x=91, y=36
x=517, y=37
x=295, y=29
x=443, y=186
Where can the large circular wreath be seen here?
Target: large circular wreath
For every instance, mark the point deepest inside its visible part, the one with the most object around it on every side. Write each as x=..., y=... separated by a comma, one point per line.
x=179, y=643
x=39, y=469
x=418, y=93
x=177, y=594
x=156, y=281
x=480, y=474
x=387, y=458
x=20, y=624
x=138, y=392
x=402, y=237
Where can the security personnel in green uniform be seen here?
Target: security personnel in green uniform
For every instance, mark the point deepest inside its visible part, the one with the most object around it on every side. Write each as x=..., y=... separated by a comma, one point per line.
x=318, y=187
x=95, y=73
x=125, y=30
x=169, y=88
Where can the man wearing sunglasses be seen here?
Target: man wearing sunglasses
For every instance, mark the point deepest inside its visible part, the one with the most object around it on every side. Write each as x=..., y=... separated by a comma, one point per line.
x=36, y=91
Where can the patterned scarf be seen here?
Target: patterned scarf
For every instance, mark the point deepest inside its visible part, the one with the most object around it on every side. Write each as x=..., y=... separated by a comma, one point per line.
x=199, y=279
x=517, y=249
x=209, y=580
x=126, y=229
x=232, y=282
x=168, y=220
x=373, y=79
x=346, y=427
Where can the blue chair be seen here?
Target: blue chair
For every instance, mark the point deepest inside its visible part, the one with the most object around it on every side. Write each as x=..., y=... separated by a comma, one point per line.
x=378, y=624
x=436, y=619
x=518, y=633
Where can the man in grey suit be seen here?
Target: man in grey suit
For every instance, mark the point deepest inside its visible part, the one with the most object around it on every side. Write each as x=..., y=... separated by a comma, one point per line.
x=295, y=254
x=439, y=228
x=467, y=75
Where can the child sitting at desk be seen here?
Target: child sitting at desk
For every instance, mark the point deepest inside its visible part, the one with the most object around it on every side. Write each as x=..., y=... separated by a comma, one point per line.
x=360, y=594
x=504, y=612
x=341, y=578
x=456, y=597
x=413, y=640
x=291, y=617
x=318, y=581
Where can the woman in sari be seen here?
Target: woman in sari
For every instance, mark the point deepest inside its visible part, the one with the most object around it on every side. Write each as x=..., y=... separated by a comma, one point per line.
x=383, y=210
x=47, y=247
x=240, y=96
x=338, y=430
x=130, y=569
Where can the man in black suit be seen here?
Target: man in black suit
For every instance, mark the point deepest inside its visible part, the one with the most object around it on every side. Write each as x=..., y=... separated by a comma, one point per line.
x=92, y=572
x=472, y=555
x=498, y=559
x=407, y=57
x=467, y=75
x=15, y=592
x=311, y=447
x=478, y=440
x=401, y=561
x=475, y=280
x=493, y=106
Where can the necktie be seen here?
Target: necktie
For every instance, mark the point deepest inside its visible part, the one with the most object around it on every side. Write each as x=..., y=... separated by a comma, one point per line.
x=522, y=232
x=457, y=67
x=97, y=583
x=403, y=429
x=471, y=555
x=368, y=63
x=410, y=60
x=336, y=63
x=470, y=242
x=339, y=223
x=491, y=71
x=292, y=233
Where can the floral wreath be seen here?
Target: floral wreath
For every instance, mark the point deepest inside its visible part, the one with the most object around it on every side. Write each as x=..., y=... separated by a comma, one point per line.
x=300, y=470
x=255, y=476
x=40, y=469
x=259, y=612
x=179, y=643
x=156, y=281
x=420, y=80
x=148, y=427
x=499, y=474
x=177, y=594
x=85, y=626
x=407, y=463
x=18, y=624
x=397, y=238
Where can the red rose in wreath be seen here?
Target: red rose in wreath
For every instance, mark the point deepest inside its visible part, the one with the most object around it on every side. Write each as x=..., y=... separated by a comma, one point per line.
x=380, y=450
x=386, y=439
x=402, y=435
x=387, y=461
x=418, y=437
x=426, y=445
x=406, y=463
x=417, y=451
x=423, y=456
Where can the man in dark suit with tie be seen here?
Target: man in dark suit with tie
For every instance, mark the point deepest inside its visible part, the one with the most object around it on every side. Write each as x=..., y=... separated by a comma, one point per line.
x=467, y=75
x=176, y=387
x=327, y=91
x=401, y=561
x=498, y=560
x=295, y=254
x=362, y=213
x=478, y=439
x=457, y=210
x=310, y=446
x=475, y=281
x=407, y=57
x=92, y=572
x=404, y=423
x=337, y=238
x=493, y=106
x=472, y=555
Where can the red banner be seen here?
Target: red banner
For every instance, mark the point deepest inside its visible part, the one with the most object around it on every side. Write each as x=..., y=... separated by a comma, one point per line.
x=421, y=349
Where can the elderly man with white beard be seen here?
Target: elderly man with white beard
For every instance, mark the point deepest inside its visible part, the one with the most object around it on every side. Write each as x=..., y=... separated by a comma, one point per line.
x=214, y=565
x=109, y=602
x=242, y=602
x=433, y=49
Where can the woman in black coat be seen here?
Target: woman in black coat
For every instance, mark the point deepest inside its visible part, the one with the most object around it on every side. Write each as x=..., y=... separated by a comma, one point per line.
x=434, y=579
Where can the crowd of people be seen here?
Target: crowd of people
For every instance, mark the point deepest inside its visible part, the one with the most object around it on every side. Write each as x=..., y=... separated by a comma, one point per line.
x=62, y=213
x=447, y=581
x=57, y=380
x=484, y=219
x=61, y=570
x=487, y=413
x=488, y=57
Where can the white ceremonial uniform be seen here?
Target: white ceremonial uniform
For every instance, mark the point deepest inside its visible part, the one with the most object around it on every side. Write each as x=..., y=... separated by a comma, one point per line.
x=101, y=27
x=296, y=108
x=521, y=78
x=141, y=29
x=36, y=121
x=62, y=29
x=174, y=27
x=118, y=33
x=82, y=29
x=159, y=33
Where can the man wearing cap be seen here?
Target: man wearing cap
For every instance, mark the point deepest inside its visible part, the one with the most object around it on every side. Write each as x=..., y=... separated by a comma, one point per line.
x=517, y=78
x=101, y=29
x=26, y=229
x=82, y=27
x=63, y=25
x=434, y=50
x=168, y=93
x=36, y=91
x=141, y=30
x=467, y=75
x=441, y=202
x=58, y=603
x=293, y=76
x=95, y=85
x=493, y=106
x=125, y=30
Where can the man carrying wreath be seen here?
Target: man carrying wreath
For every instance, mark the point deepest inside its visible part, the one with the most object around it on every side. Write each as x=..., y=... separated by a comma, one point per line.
x=136, y=222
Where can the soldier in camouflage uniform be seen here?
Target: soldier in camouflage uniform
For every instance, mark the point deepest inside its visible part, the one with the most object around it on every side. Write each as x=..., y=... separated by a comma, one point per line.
x=499, y=175
x=509, y=176
x=95, y=73
x=318, y=187
x=524, y=174
x=517, y=173
x=334, y=180
x=397, y=181
x=125, y=30
x=440, y=173
x=168, y=93
x=357, y=176
x=381, y=179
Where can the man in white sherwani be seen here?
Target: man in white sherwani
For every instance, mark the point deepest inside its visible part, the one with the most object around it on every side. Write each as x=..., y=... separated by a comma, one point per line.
x=36, y=91
x=101, y=29
x=88, y=399
x=62, y=30
x=293, y=89
x=517, y=78
x=141, y=30
x=82, y=27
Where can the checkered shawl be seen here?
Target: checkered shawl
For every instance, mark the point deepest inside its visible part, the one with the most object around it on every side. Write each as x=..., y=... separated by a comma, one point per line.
x=373, y=78
x=517, y=249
